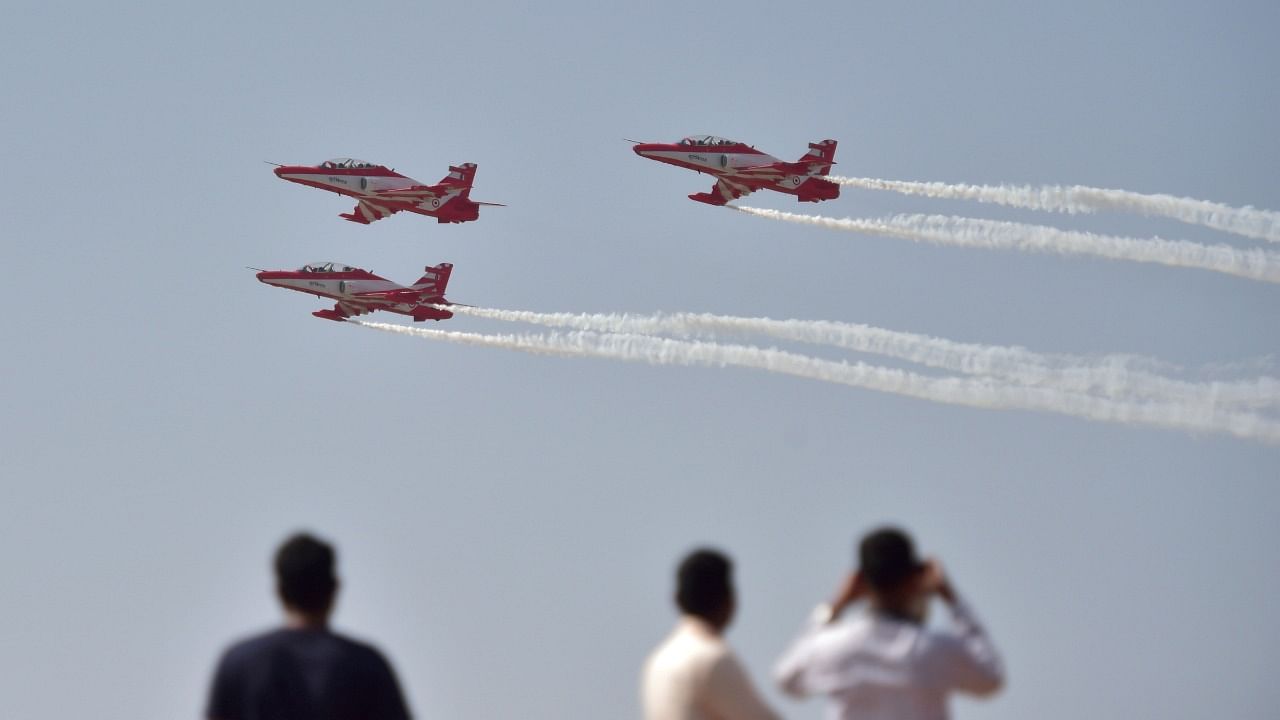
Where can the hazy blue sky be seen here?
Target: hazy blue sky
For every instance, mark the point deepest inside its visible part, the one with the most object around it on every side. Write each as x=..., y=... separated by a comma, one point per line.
x=508, y=524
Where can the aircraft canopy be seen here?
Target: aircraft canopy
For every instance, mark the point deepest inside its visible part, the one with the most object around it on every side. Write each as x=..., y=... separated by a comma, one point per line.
x=347, y=163
x=703, y=140
x=326, y=267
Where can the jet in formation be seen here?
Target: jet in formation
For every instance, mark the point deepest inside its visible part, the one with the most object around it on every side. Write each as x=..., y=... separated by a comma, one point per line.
x=360, y=291
x=381, y=192
x=740, y=169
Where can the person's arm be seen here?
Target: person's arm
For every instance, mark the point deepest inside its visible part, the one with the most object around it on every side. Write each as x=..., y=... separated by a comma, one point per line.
x=730, y=694
x=969, y=662
x=789, y=672
x=224, y=699
x=387, y=701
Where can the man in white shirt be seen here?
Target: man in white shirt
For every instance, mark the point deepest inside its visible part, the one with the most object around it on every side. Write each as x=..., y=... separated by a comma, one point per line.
x=693, y=675
x=884, y=664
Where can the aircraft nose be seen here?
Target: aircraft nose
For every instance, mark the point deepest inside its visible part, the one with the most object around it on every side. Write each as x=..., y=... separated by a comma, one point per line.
x=642, y=149
x=279, y=172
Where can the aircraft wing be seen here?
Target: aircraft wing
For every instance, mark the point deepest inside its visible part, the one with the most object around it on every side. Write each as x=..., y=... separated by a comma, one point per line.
x=417, y=192
x=366, y=212
x=773, y=171
x=424, y=304
x=427, y=197
x=395, y=297
x=342, y=311
x=724, y=191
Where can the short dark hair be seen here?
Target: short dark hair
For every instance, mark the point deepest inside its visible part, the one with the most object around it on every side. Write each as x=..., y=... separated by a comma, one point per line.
x=305, y=573
x=887, y=558
x=703, y=583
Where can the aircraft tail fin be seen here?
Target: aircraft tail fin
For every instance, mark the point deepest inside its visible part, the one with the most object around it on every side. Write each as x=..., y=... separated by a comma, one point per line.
x=434, y=282
x=460, y=176
x=821, y=156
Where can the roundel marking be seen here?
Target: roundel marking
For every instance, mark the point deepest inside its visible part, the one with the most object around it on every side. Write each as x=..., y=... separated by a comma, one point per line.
x=364, y=183
x=435, y=202
x=795, y=179
x=724, y=161
x=342, y=286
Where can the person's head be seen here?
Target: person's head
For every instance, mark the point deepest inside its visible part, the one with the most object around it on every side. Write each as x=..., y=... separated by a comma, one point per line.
x=889, y=566
x=704, y=587
x=305, y=578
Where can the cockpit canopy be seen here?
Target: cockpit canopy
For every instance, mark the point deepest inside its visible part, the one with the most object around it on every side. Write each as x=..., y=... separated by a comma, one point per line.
x=705, y=140
x=326, y=267
x=346, y=164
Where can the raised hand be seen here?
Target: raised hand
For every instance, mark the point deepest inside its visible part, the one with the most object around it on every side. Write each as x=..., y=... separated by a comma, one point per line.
x=934, y=581
x=851, y=590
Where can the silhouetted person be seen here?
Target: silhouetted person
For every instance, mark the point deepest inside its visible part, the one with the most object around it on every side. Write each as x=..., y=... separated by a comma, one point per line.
x=305, y=671
x=884, y=664
x=693, y=675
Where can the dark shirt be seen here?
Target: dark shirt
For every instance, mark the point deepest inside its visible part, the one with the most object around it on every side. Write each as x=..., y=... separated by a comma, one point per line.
x=304, y=675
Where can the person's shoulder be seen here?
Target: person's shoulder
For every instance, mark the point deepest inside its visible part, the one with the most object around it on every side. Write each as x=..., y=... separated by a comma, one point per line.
x=245, y=652
x=942, y=637
x=699, y=641
x=711, y=655
x=670, y=651
x=359, y=649
x=843, y=639
x=354, y=644
x=253, y=644
x=848, y=630
x=685, y=650
x=943, y=644
x=721, y=655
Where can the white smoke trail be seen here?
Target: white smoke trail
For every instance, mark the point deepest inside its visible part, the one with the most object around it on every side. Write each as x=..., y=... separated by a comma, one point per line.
x=1111, y=375
x=973, y=392
x=1253, y=263
x=1246, y=221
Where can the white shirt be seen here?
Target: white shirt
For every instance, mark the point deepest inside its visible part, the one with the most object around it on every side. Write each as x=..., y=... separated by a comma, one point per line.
x=693, y=675
x=874, y=667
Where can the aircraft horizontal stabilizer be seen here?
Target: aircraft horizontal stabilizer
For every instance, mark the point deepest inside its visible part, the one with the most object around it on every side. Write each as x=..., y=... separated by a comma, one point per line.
x=424, y=312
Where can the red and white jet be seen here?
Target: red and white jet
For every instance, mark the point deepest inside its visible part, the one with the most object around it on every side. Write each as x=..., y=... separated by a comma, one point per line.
x=382, y=192
x=360, y=291
x=741, y=169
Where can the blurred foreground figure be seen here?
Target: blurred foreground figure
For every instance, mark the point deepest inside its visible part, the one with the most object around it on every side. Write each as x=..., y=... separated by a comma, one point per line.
x=693, y=675
x=884, y=664
x=304, y=671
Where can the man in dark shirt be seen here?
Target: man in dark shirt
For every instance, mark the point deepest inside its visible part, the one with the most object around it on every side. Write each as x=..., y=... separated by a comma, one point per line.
x=305, y=671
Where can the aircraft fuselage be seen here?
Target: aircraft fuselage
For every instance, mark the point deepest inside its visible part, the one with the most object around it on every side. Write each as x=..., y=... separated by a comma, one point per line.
x=368, y=184
x=361, y=291
x=740, y=169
